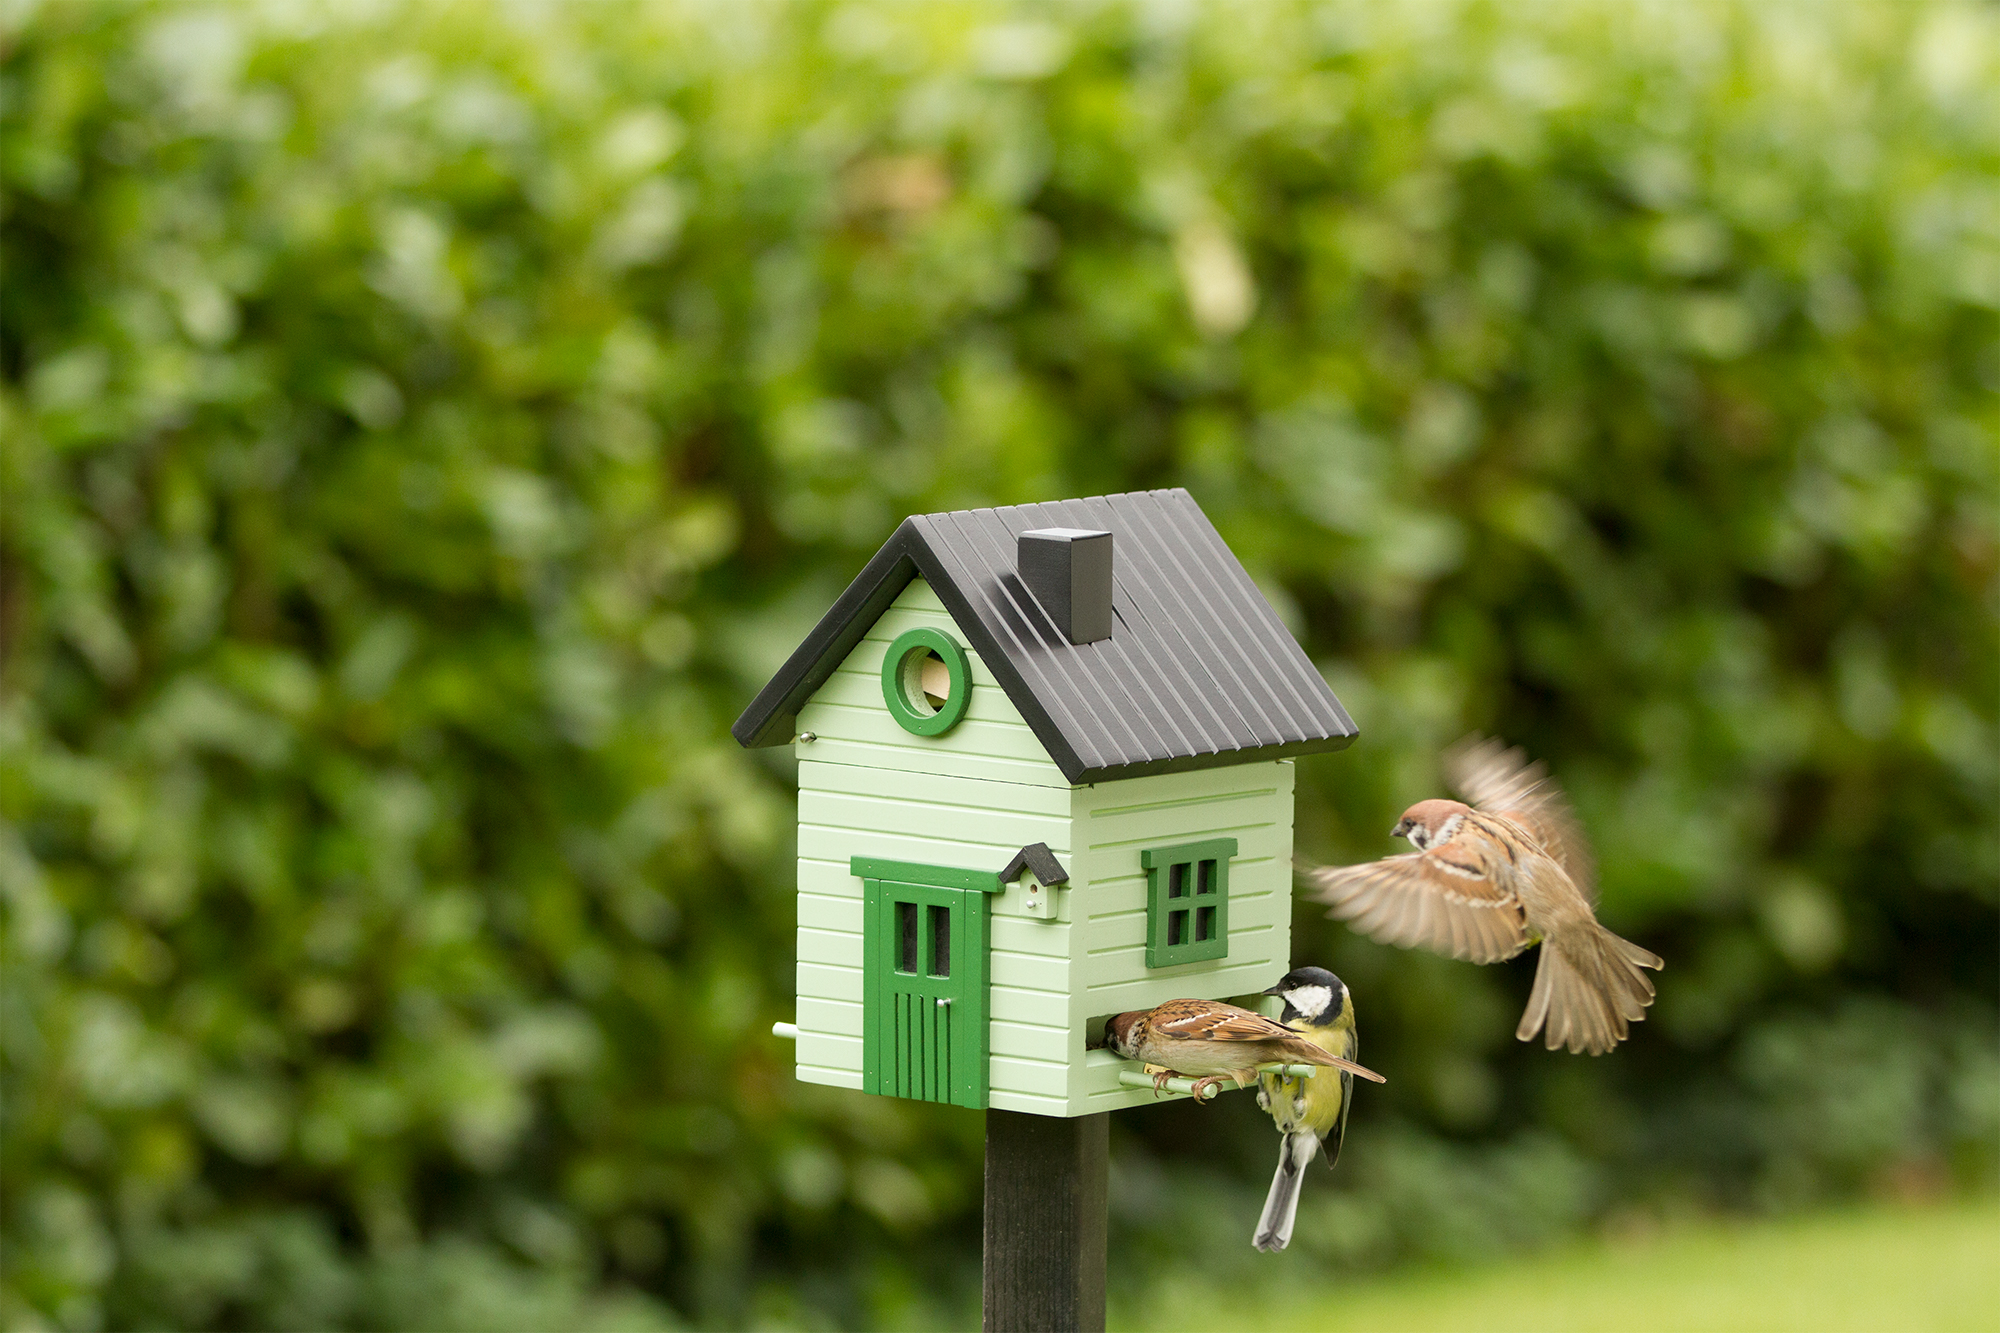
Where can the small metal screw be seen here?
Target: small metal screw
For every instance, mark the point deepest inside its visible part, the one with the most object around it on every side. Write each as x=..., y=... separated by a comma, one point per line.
x=807, y=738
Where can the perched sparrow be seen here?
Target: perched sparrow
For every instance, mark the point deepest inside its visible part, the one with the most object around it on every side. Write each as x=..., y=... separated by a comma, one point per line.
x=1489, y=879
x=1212, y=1041
x=1308, y=1111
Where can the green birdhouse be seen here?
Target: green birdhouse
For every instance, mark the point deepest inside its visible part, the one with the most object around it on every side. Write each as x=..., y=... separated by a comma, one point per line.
x=1045, y=776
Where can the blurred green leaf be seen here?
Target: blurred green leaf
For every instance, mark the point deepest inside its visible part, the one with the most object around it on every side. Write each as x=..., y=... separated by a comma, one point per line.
x=422, y=428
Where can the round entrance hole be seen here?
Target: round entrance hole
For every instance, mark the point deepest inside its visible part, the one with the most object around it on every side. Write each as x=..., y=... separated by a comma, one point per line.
x=925, y=681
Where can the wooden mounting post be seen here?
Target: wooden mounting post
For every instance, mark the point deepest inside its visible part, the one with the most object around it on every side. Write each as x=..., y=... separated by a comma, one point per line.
x=1046, y=1198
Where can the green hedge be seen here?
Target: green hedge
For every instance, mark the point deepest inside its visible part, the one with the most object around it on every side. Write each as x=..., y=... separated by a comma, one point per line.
x=425, y=426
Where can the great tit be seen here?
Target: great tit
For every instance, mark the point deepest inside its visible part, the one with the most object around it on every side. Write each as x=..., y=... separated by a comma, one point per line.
x=1308, y=1111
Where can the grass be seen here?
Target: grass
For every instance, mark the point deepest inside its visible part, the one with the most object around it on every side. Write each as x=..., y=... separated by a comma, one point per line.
x=1883, y=1270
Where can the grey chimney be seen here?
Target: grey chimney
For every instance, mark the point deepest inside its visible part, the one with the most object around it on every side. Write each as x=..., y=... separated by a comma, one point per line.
x=1069, y=571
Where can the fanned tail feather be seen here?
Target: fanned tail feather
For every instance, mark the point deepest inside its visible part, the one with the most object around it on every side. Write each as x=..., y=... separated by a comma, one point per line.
x=1281, y=1205
x=1589, y=989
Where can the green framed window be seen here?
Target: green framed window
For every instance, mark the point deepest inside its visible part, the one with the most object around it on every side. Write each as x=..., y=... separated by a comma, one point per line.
x=926, y=681
x=1187, y=901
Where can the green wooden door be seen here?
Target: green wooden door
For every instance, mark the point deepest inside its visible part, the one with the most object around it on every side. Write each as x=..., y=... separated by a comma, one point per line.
x=924, y=970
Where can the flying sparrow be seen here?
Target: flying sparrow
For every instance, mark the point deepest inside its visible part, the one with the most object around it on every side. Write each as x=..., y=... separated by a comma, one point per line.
x=1491, y=878
x=1212, y=1041
x=1308, y=1111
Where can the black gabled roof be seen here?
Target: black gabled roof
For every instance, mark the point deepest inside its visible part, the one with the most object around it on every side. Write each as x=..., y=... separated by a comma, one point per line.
x=1039, y=861
x=1198, y=671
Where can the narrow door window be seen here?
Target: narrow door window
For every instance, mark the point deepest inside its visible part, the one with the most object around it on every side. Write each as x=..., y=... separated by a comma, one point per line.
x=906, y=938
x=940, y=918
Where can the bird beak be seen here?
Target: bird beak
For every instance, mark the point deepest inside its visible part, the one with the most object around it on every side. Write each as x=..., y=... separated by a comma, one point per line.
x=1278, y=989
x=1402, y=829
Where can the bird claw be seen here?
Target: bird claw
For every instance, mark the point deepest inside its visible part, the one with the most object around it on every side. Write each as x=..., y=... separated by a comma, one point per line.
x=1160, y=1076
x=1242, y=1078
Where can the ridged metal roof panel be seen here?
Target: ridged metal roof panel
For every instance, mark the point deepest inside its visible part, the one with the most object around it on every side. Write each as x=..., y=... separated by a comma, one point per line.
x=1198, y=670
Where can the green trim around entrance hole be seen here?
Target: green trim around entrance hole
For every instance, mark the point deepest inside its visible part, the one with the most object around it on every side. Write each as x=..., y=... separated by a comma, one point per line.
x=902, y=686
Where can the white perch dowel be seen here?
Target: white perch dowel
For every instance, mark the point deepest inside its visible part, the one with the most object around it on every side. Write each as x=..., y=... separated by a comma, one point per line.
x=789, y=1031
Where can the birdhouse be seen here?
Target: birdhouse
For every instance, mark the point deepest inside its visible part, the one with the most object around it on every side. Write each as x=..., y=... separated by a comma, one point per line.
x=1045, y=776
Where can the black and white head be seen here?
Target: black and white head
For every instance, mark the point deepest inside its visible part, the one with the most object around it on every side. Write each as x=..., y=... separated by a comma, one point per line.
x=1428, y=823
x=1313, y=994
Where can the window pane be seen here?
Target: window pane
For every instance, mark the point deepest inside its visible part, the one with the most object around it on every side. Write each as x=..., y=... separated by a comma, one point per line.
x=1176, y=928
x=1177, y=880
x=940, y=941
x=1205, y=878
x=906, y=937
x=1204, y=923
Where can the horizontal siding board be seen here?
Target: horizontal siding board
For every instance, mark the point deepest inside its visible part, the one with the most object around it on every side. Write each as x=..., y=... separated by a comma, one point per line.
x=944, y=763
x=824, y=842
x=1110, y=858
x=1015, y=797
x=828, y=878
x=955, y=823
x=1011, y=1004
x=861, y=690
x=839, y=948
x=828, y=911
x=1031, y=971
x=1029, y=1041
x=1004, y=1099
x=1030, y=1076
x=829, y=1051
x=920, y=596
x=1247, y=945
x=833, y=1078
x=1222, y=818
x=1219, y=979
x=1016, y=933
x=872, y=723
x=830, y=983
x=840, y=1018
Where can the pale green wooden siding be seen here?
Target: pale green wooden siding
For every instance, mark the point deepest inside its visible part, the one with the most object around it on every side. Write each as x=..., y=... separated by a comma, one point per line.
x=972, y=797
x=1111, y=824
x=853, y=727
x=975, y=796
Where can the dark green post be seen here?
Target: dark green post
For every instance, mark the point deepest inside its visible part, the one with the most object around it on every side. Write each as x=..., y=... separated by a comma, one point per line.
x=1047, y=1192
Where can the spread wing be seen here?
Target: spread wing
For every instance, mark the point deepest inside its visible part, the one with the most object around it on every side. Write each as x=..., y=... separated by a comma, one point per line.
x=1497, y=779
x=1445, y=900
x=1212, y=1020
